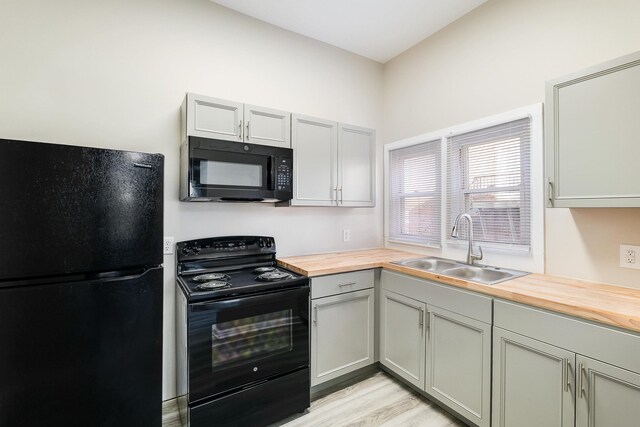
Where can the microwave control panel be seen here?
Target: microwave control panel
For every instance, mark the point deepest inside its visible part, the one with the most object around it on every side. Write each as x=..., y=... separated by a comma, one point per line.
x=283, y=175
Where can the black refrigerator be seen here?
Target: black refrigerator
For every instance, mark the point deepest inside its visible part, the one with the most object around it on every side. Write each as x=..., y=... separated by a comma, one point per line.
x=80, y=286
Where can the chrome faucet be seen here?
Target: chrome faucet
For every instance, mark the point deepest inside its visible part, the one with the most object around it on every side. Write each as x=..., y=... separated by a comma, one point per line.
x=471, y=257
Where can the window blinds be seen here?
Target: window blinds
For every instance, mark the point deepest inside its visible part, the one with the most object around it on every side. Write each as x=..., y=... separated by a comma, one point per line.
x=415, y=193
x=489, y=178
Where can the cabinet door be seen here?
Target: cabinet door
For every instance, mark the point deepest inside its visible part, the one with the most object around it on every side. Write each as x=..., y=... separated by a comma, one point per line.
x=402, y=336
x=356, y=166
x=592, y=135
x=458, y=369
x=533, y=382
x=607, y=395
x=213, y=118
x=341, y=334
x=267, y=126
x=314, y=143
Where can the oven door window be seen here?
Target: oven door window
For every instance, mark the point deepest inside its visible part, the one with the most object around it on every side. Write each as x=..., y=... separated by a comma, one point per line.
x=238, y=341
x=251, y=338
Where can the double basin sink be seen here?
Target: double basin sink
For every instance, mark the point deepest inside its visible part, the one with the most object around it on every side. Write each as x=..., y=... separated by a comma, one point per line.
x=474, y=273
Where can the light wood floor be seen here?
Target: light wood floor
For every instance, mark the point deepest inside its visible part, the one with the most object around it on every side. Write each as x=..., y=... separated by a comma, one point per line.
x=376, y=401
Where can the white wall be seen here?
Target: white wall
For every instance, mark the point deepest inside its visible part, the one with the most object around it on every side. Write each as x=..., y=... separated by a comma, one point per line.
x=498, y=58
x=113, y=74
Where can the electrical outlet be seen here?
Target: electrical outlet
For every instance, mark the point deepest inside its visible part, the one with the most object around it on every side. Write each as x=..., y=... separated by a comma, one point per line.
x=346, y=235
x=628, y=256
x=169, y=244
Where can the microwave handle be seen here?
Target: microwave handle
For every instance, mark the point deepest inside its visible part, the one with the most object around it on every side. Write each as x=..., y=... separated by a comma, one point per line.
x=271, y=177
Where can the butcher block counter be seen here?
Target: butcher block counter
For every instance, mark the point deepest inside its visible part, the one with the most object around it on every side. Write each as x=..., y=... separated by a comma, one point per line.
x=607, y=304
x=342, y=262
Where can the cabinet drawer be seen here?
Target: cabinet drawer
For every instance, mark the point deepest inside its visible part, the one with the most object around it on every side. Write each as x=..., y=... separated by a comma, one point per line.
x=615, y=346
x=470, y=304
x=340, y=283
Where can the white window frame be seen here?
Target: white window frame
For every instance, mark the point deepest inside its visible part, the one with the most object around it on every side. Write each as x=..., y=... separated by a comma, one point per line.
x=520, y=188
x=419, y=194
x=531, y=259
x=420, y=139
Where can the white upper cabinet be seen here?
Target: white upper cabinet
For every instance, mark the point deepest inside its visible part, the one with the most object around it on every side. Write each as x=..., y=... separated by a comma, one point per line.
x=334, y=164
x=208, y=117
x=267, y=126
x=356, y=164
x=592, y=127
x=314, y=142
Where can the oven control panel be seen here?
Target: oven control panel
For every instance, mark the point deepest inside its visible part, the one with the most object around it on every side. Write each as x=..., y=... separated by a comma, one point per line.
x=223, y=247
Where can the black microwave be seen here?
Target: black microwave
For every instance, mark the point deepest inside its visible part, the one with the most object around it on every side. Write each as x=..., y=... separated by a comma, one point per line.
x=213, y=170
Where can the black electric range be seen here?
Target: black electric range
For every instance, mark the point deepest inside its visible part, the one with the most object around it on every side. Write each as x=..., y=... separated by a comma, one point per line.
x=242, y=333
x=228, y=266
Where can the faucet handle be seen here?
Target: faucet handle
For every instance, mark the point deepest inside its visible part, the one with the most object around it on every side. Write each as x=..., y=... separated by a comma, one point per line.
x=479, y=256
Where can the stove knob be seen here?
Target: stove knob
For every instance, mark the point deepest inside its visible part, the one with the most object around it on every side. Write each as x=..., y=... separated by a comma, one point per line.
x=186, y=250
x=261, y=243
x=268, y=243
x=196, y=250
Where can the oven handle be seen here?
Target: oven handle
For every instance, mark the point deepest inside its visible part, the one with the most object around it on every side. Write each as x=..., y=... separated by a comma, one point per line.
x=241, y=300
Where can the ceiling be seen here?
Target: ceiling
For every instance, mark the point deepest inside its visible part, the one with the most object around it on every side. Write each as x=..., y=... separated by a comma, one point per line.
x=376, y=29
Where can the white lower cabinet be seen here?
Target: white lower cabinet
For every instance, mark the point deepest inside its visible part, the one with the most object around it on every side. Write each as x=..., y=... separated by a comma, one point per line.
x=492, y=362
x=459, y=363
x=446, y=352
x=533, y=382
x=607, y=395
x=542, y=377
x=402, y=336
x=342, y=338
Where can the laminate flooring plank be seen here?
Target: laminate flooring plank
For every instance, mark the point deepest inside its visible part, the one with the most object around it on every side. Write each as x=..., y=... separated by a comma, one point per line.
x=350, y=400
x=378, y=401
x=170, y=414
x=386, y=413
x=425, y=415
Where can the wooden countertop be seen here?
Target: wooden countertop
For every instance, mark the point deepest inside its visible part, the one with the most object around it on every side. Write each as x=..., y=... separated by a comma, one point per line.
x=603, y=303
x=342, y=262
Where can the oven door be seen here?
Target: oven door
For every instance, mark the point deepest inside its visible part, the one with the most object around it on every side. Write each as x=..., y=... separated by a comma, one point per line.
x=240, y=341
x=226, y=170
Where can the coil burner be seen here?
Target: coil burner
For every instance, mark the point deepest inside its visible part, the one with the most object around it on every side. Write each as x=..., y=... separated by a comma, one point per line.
x=274, y=276
x=211, y=276
x=261, y=270
x=213, y=285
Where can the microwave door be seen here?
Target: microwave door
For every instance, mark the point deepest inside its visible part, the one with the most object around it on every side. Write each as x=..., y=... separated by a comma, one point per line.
x=231, y=176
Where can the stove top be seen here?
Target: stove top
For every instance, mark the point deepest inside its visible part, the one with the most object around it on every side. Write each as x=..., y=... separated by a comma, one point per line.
x=223, y=267
x=237, y=281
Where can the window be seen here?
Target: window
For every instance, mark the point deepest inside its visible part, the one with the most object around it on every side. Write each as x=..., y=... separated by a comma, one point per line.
x=415, y=187
x=489, y=178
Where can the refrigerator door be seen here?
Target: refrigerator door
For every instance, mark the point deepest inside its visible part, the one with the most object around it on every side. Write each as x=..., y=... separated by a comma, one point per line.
x=68, y=209
x=85, y=353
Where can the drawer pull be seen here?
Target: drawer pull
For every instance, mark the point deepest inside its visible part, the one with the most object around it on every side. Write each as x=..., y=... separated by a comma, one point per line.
x=346, y=284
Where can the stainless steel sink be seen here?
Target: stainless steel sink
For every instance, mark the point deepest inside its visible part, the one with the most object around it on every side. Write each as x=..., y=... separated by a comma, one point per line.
x=428, y=264
x=475, y=273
